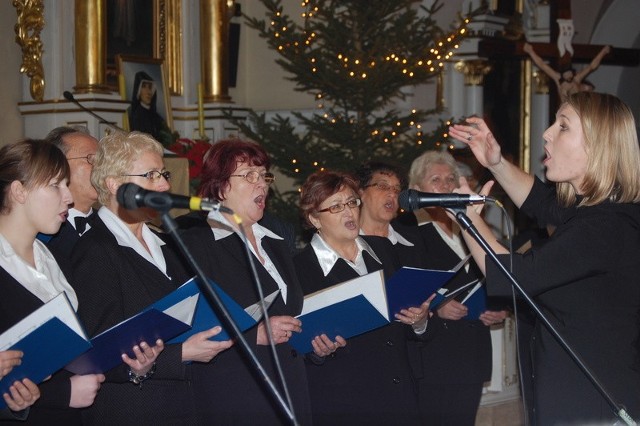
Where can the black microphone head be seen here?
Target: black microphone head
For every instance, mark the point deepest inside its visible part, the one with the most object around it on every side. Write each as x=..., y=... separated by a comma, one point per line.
x=68, y=96
x=408, y=200
x=127, y=195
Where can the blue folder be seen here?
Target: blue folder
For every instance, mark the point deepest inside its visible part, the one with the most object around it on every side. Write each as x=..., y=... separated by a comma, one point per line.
x=348, y=318
x=476, y=303
x=356, y=314
x=152, y=324
x=410, y=287
x=46, y=349
x=444, y=295
x=108, y=346
x=205, y=317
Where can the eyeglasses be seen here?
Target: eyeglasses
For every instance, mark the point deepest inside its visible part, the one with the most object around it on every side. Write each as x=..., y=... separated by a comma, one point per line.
x=154, y=175
x=439, y=180
x=396, y=189
x=253, y=177
x=89, y=158
x=337, y=208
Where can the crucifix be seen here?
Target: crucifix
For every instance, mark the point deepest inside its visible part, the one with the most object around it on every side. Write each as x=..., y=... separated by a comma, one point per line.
x=560, y=53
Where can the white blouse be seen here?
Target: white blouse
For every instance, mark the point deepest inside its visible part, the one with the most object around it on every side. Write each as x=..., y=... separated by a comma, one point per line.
x=45, y=281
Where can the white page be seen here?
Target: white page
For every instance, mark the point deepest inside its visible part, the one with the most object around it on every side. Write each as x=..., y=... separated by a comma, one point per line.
x=461, y=263
x=371, y=286
x=255, y=310
x=184, y=310
x=473, y=290
x=59, y=307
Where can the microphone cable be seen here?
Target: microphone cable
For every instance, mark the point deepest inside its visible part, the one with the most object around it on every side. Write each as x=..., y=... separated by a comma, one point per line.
x=267, y=322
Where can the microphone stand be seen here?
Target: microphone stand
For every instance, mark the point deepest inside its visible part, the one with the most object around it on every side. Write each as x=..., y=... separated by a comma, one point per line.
x=212, y=297
x=69, y=96
x=467, y=225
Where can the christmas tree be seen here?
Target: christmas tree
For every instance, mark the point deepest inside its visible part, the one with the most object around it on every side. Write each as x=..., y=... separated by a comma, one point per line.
x=357, y=58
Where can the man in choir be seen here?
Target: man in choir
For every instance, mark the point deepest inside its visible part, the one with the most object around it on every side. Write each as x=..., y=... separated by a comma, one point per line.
x=80, y=148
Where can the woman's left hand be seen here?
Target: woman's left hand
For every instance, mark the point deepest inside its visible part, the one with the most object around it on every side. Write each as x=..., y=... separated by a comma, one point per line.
x=464, y=188
x=282, y=327
x=200, y=348
x=415, y=316
x=493, y=317
x=145, y=356
x=323, y=346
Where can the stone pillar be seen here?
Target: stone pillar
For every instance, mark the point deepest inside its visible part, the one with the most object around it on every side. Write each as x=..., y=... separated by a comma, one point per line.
x=539, y=121
x=474, y=71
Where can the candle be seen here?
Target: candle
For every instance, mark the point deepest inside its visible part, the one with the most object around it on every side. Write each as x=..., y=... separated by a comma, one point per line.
x=201, y=111
x=122, y=87
x=123, y=96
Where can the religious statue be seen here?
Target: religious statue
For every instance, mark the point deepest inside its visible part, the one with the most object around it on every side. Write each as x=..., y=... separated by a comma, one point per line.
x=567, y=80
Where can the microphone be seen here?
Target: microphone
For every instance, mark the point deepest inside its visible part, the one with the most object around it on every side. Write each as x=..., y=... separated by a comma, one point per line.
x=69, y=96
x=131, y=196
x=413, y=200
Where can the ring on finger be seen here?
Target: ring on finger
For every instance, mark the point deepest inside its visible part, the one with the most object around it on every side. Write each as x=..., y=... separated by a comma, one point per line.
x=469, y=137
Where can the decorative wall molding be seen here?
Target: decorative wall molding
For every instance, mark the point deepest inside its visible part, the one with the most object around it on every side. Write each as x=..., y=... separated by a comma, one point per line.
x=28, y=27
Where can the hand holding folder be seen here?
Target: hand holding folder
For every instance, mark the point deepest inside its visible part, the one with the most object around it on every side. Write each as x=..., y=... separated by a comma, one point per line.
x=173, y=319
x=49, y=338
x=364, y=303
x=472, y=294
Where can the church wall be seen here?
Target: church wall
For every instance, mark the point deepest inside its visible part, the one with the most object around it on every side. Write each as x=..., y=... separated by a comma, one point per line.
x=262, y=85
x=10, y=78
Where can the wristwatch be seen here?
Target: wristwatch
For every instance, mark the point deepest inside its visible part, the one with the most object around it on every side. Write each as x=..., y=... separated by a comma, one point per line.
x=137, y=380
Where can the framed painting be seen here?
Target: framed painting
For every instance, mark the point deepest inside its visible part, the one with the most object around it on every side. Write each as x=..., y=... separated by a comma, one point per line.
x=143, y=83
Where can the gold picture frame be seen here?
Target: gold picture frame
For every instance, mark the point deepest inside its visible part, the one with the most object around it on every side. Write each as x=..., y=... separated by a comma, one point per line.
x=131, y=71
x=161, y=35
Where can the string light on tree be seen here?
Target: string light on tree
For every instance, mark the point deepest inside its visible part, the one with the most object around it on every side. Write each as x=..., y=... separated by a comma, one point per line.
x=355, y=58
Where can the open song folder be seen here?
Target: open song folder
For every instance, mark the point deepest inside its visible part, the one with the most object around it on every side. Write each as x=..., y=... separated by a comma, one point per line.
x=49, y=338
x=174, y=318
x=365, y=303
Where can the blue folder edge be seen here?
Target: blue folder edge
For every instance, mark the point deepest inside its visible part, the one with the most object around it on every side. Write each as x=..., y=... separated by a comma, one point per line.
x=411, y=287
x=152, y=324
x=476, y=303
x=46, y=350
x=348, y=318
x=205, y=317
x=148, y=326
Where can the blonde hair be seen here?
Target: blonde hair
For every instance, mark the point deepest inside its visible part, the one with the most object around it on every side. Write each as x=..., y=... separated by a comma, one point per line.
x=115, y=155
x=424, y=162
x=613, y=155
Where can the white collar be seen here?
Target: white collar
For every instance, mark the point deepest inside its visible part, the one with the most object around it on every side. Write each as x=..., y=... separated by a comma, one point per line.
x=394, y=237
x=45, y=281
x=222, y=228
x=125, y=238
x=327, y=256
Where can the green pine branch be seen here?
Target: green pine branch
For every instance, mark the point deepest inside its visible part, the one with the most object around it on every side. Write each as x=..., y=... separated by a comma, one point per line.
x=357, y=58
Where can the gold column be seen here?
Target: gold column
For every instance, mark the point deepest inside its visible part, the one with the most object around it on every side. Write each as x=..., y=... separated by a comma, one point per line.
x=525, y=116
x=525, y=107
x=91, y=55
x=215, y=16
x=169, y=35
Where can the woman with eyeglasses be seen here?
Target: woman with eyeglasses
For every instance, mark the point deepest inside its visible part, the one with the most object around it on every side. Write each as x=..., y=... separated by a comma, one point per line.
x=120, y=266
x=461, y=347
x=365, y=380
x=236, y=173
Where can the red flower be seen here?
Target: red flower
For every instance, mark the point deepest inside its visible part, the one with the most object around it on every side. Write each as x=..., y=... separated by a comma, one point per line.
x=193, y=151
